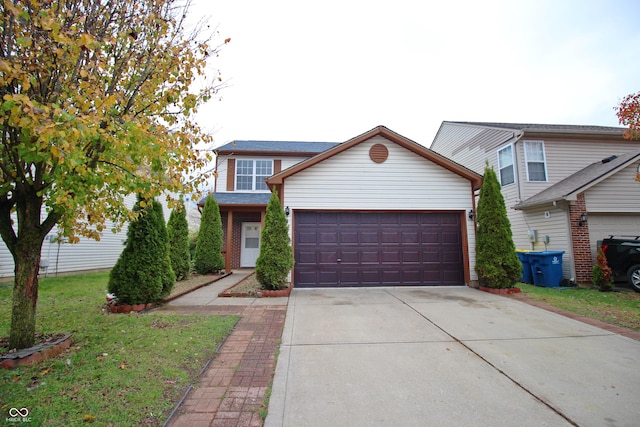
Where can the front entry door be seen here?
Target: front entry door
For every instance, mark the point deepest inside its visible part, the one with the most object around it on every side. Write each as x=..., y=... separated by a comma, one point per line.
x=250, y=244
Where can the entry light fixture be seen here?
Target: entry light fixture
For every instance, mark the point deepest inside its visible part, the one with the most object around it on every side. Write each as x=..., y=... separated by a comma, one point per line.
x=287, y=211
x=472, y=214
x=583, y=220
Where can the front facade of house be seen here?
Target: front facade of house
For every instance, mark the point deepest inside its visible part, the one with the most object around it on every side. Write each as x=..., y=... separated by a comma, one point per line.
x=380, y=210
x=377, y=210
x=565, y=187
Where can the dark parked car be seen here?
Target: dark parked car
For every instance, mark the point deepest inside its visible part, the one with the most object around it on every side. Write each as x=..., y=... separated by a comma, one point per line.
x=623, y=257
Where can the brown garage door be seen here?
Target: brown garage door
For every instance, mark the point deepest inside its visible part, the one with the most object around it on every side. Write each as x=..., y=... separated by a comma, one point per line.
x=377, y=249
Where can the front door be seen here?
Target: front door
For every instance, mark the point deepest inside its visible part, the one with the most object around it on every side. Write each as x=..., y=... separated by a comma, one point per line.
x=250, y=244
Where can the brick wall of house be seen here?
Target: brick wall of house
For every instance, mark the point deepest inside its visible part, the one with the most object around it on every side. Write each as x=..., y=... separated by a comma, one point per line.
x=580, y=239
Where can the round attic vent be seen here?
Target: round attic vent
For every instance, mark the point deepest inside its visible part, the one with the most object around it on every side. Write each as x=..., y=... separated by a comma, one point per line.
x=378, y=153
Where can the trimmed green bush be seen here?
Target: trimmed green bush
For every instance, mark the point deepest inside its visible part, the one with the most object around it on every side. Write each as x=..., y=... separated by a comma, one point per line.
x=602, y=274
x=137, y=276
x=497, y=263
x=166, y=272
x=208, y=257
x=178, y=230
x=276, y=255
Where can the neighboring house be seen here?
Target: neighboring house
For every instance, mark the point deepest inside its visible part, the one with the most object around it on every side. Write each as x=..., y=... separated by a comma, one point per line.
x=565, y=187
x=85, y=256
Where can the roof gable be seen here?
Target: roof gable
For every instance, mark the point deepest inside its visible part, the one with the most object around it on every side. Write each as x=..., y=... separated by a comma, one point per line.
x=388, y=134
x=581, y=180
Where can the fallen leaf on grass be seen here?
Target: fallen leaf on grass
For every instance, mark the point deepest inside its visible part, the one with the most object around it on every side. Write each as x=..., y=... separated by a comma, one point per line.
x=88, y=418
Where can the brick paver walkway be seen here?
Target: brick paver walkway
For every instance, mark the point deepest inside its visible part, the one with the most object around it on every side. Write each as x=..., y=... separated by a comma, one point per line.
x=233, y=387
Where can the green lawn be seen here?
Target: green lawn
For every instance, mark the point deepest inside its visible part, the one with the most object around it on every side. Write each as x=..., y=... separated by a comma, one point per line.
x=122, y=370
x=618, y=308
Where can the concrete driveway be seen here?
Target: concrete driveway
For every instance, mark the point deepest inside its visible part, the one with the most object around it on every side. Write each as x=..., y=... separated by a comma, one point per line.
x=447, y=357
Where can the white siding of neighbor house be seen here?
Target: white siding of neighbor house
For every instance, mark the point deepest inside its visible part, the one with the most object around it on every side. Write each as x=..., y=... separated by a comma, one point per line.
x=619, y=193
x=221, y=185
x=565, y=158
x=471, y=146
x=553, y=222
x=87, y=255
x=350, y=180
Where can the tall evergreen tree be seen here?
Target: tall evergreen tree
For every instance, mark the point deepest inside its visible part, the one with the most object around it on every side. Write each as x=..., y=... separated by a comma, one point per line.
x=497, y=263
x=167, y=275
x=178, y=230
x=136, y=278
x=276, y=255
x=208, y=258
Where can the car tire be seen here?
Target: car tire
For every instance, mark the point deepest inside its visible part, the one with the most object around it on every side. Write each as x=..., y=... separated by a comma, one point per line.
x=633, y=274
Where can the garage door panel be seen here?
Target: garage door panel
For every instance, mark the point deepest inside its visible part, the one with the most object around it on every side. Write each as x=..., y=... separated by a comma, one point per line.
x=370, y=257
x=369, y=236
x=430, y=236
x=348, y=237
x=377, y=249
x=390, y=237
x=410, y=256
x=327, y=257
x=327, y=237
x=349, y=257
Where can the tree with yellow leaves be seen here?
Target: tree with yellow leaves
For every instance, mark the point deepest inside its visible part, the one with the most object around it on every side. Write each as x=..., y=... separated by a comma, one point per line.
x=96, y=102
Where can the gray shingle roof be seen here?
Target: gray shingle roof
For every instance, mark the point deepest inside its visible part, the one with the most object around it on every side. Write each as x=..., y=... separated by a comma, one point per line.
x=579, y=180
x=537, y=127
x=236, y=198
x=277, y=146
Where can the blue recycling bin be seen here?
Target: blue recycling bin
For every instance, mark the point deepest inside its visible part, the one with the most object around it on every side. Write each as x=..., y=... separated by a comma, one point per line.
x=523, y=256
x=546, y=268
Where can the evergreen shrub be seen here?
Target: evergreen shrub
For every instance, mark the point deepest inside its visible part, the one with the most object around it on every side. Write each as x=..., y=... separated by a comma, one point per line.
x=497, y=263
x=276, y=255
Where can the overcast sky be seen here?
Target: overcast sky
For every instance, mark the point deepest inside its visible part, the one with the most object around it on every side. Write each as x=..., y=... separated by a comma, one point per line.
x=331, y=70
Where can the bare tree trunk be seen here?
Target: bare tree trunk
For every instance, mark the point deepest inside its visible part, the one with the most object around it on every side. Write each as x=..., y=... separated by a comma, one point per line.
x=25, y=292
x=25, y=246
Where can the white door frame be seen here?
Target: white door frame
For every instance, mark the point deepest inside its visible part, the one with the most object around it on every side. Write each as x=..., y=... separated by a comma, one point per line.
x=248, y=255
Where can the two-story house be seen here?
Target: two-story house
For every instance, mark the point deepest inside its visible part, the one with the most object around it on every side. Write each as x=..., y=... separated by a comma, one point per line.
x=565, y=187
x=376, y=210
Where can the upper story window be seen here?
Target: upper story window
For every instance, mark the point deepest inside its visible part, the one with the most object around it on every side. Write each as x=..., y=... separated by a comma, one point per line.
x=534, y=157
x=505, y=163
x=250, y=174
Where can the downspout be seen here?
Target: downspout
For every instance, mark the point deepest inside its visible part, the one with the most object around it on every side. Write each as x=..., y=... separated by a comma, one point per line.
x=516, y=164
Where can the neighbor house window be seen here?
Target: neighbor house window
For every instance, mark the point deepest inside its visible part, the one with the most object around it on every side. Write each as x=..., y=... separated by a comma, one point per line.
x=250, y=174
x=534, y=156
x=505, y=163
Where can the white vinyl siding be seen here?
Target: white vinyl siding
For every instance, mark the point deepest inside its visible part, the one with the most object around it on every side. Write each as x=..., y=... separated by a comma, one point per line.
x=535, y=160
x=555, y=225
x=86, y=255
x=350, y=180
x=250, y=174
x=505, y=165
x=619, y=193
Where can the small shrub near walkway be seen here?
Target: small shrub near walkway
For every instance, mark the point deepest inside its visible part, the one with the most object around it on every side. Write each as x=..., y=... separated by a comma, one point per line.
x=121, y=369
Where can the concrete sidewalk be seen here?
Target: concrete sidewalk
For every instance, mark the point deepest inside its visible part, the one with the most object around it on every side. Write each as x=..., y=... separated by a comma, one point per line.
x=446, y=357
